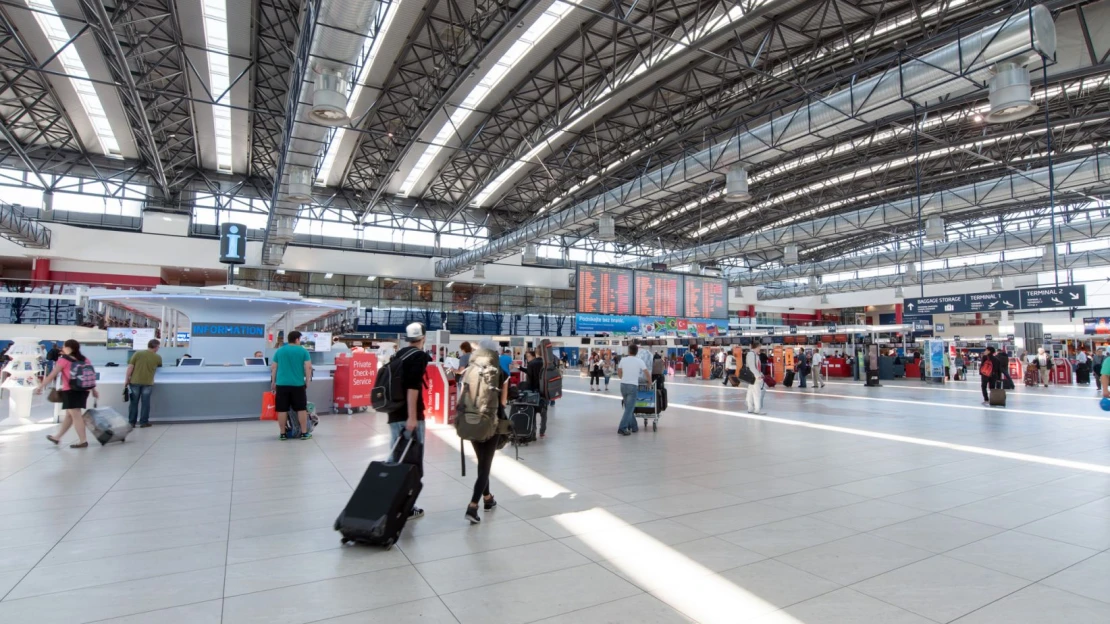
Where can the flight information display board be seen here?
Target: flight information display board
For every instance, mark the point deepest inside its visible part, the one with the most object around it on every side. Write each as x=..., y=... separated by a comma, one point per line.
x=706, y=297
x=604, y=290
x=658, y=294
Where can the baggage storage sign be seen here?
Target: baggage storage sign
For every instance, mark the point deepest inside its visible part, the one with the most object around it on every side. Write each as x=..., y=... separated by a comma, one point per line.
x=944, y=304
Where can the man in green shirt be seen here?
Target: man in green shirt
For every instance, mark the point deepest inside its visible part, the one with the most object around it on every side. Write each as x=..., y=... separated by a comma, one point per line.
x=1104, y=376
x=290, y=373
x=139, y=381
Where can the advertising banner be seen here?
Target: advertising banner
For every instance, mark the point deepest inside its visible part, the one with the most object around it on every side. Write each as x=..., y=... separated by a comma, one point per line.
x=1096, y=326
x=135, y=338
x=649, y=326
x=934, y=359
x=606, y=324
x=317, y=342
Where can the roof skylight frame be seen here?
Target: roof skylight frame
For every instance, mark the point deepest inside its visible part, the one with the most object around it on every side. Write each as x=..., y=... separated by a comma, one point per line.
x=50, y=22
x=214, y=17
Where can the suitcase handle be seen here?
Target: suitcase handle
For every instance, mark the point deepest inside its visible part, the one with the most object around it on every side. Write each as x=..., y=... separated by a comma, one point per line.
x=411, y=435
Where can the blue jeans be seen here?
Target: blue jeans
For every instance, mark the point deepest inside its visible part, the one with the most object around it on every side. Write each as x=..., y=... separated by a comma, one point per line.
x=395, y=430
x=139, y=392
x=628, y=420
x=802, y=377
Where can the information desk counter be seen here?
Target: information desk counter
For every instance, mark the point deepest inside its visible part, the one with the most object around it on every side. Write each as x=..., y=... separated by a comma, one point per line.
x=208, y=393
x=837, y=367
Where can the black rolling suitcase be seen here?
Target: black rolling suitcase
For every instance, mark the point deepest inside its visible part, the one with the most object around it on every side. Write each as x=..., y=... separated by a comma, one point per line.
x=384, y=498
x=788, y=379
x=523, y=413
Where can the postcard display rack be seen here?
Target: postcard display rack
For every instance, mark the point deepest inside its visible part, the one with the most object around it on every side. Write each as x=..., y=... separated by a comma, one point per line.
x=22, y=378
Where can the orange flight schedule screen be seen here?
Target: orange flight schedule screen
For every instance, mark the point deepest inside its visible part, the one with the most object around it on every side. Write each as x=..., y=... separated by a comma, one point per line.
x=604, y=290
x=658, y=294
x=706, y=297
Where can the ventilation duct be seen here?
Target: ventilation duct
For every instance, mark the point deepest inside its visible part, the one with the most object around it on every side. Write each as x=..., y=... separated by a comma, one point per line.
x=996, y=283
x=899, y=293
x=283, y=230
x=530, y=255
x=934, y=228
x=572, y=279
x=952, y=69
x=606, y=228
x=911, y=272
x=480, y=271
x=329, y=97
x=300, y=184
x=813, y=282
x=824, y=300
x=736, y=184
x=790, y=255
x=1011, y=95
x=47, y=202
x=738, y=292
x=1049, y=253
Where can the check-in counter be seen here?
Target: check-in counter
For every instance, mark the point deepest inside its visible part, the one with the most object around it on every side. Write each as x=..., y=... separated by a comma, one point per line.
x=209, y=393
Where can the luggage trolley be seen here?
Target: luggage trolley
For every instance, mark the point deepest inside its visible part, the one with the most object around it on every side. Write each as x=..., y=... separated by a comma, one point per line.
x=647, y=405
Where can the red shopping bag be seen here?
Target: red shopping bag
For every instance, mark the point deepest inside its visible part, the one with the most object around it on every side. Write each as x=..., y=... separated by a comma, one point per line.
x=269, y=406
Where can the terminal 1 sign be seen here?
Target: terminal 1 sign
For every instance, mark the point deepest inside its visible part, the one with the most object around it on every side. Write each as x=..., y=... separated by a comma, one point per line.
x=996, y=300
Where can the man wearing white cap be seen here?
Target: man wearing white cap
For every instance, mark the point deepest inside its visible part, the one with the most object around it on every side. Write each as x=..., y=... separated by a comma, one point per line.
x=410, y=418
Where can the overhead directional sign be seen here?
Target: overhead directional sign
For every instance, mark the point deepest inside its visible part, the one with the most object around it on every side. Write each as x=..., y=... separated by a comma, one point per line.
x=793, y=329
x=944, y=304
x=1054, y=297
x=993, y=301
x=999, y=300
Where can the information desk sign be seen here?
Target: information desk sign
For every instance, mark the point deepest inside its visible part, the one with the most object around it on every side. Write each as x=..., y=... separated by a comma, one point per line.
x=604, y=290
x=1048, y=337
x=832, y=328
x=989, y=337
x=658, y=294
x=1054, y=297
x=793, y=329
x=993, y=301
x=1010, y=337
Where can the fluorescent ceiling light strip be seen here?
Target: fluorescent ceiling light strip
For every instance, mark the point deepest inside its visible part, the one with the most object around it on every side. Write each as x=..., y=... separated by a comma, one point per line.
x=712, y=25
x=529, y=40
x=356, y=90
x=56, y=33
x=219, y=78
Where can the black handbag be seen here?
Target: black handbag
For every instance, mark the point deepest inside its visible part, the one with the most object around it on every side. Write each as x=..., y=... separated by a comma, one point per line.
x=746, y=375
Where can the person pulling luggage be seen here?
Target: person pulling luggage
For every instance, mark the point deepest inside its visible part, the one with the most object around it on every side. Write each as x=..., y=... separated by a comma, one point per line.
x=730, y=367
x=990, y=374
x=408, y=420
x=533, y=369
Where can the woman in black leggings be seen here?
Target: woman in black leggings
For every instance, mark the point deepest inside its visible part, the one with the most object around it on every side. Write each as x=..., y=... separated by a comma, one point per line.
x=595, y=372
x=485, y=451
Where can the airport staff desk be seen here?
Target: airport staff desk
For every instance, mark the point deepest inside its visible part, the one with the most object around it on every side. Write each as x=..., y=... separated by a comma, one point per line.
x=208, y=393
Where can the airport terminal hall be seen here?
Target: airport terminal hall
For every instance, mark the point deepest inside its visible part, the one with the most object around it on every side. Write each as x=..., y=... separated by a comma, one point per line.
x=555, y=311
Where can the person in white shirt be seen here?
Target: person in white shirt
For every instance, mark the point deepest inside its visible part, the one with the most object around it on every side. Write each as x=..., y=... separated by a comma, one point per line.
x=1043, y=362
x=730, y=367
x=816, y=362
x=754, y=397
x=632, y=371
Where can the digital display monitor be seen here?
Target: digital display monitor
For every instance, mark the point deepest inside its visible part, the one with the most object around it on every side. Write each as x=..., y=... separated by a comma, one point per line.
x=706, y=297
x=253, y=361
x=604, y=290
x=191, y=362
x=658, y=294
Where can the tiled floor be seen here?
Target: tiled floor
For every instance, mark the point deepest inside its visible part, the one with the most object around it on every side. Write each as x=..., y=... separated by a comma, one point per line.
x=897, y=505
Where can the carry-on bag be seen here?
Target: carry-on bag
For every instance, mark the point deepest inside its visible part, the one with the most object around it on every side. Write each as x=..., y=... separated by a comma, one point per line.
x=551, y=383
x=1007, y=383
x=788, y=379
x=293, y=422
x=661, y=398
x=734, y=381
x=381, y=504
x=1030, y=376
x=106, y=424
x=522, y=415
x=997, y=397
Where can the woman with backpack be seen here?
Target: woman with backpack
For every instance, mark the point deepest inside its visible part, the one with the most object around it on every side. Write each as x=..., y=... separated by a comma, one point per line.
x=73, y=394
x=485, y=450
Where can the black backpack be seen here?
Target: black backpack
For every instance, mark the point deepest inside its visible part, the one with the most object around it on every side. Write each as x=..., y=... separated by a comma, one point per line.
x=388, y=394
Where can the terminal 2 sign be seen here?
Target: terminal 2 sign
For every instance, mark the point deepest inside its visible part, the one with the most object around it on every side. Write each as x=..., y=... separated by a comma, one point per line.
x=996, y=300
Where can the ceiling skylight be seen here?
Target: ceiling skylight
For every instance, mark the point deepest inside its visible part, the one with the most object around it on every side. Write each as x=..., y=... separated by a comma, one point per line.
x=531, y=38
x=219, y=78
x=375, y=44
x=59, y=37
x=715, y=23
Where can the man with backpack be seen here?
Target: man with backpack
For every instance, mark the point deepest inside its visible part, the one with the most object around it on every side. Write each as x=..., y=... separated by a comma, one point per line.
x=990, y=372
x=411, y=363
